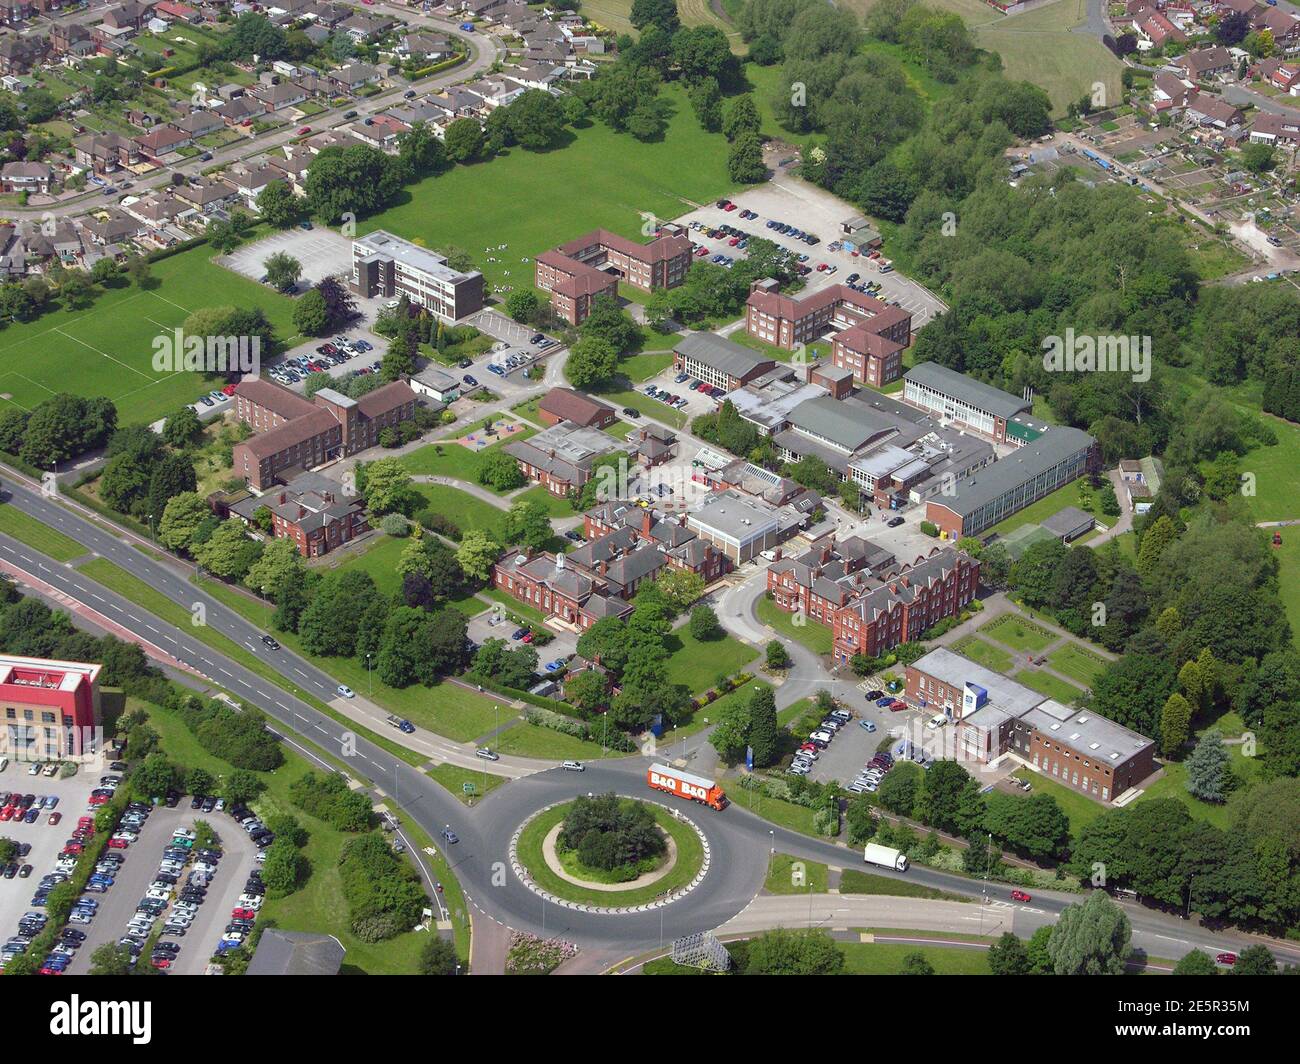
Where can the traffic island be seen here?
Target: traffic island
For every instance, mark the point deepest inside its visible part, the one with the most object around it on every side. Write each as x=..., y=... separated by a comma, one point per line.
x=557, y=873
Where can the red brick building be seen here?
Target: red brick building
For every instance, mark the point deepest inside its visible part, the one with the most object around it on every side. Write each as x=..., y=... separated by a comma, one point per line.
x=872, y=334
x=297, y=433
x=565, y=404
x=870, y=602
x=51, y=708
x=311, y=511
x=593, y=264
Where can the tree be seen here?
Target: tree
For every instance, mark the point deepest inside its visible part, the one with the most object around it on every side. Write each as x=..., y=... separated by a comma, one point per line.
x=282, y=271
x=387, y=486
x=1255, y=960
x=522, y=304
x=742, y=117
x=182, y=428
x=706, y=101
x=500, y=471
x=730, y=735
x=745, y=160
x=680, y=587
x=764, y=732
x=1258, y=158
x=140, y=271
x=228, y=552
x=1197, y=962
x=110, y=959
x=438, y=957
x=787, y=952
x=181, y=518
x=777, y=656
x=1175, y=724
x=1156, y=539
x=1008, y=956
x=463, y=140
x=124, y=483
x=592, y=362
x=536, y=119
x=661, y=13
x=277, y=205
x=1208, y=770
x=420, y=152
x=477, y=554
x=310, y=315
x=704, y=624
x=527, y=523
x=279, y=566
x=916, y=964
x=1090, y=938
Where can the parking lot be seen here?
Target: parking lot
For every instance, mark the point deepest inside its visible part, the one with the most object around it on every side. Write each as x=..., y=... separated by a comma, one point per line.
x=322, y=252
x=45, y=839
x=815, y=211
x=492, y=624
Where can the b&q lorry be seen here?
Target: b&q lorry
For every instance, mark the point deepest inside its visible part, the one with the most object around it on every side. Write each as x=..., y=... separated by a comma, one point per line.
x=885, y=857
x=685, y=785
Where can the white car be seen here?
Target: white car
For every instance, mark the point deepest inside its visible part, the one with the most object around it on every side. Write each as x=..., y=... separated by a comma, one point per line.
x=937, y=721
x=573, y=766
x=250, y=901
x=767, y=555
x=345, y=691
x=126, y=836
x=821, y=736
x=184, y=833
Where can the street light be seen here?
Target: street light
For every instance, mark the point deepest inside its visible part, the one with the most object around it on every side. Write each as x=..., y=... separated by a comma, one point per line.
x=370, y=678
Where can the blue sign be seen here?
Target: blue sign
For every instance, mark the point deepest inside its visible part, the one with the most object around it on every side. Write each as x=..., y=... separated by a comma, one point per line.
x=749, y=758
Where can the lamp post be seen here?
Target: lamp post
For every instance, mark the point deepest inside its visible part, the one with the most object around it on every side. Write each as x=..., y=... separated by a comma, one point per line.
x=370, y=678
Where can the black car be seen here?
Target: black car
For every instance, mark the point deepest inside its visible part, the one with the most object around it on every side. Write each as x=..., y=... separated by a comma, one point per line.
x=25, y=871
x=209, y=804
x=894, y=522
x=171, y=799
x=166, y=947
x=11, y=870
x=631, y=412
x=573, y=535
x=873, y=695
x=117, y=766
x=536, y=338
x=272, y=643
x=72, y=935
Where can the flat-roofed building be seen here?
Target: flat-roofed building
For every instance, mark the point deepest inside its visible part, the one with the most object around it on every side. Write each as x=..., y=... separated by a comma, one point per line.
x=718, y=361
x=962, y=400
x=384, y=265
x=51, y=708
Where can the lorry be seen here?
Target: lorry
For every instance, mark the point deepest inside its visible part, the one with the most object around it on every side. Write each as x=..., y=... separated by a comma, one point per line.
x=885, y=857
x=686, y=785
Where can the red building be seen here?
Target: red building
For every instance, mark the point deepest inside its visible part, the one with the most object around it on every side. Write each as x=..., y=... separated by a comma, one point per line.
x=870, y=602
x=593, y=264
x=51, y=708
x=871, y=334
x=565, y=404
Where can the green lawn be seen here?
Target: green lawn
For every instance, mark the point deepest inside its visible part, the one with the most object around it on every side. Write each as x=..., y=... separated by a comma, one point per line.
x=784, y=814
x=699, y=664
x=816, y=636
x=1275, y=475
x=646, y=364
x=794, y=875
x=1077, y=663
x=1018, y=633
x=1036, y=513
x=856, y=881
x=108, y=350
x=985, y=653
x=532, y=740
x=449, y=459
x=453, y=777
x=27, y=529
x=468, y=511
x=478, y=207
x=886, y=958
x=620, y=430
x=628, y=397
x=1051, y=686
x=521, y=611
x=554, y=505
x=319, y=905
x=702, y=718
x=1173, y=784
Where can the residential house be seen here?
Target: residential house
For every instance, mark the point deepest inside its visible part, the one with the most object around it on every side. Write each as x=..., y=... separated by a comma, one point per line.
x=105, y=153
x=21, y=55
x=26, y=177
x=1201, y=64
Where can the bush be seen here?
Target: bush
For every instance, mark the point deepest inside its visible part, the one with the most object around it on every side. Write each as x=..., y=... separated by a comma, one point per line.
x=930, y=529
x=442, y=525
x=328, y=798
x=383, y=894
x=394, y=525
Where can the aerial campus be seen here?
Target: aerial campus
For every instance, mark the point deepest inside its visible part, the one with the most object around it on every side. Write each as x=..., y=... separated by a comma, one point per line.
x=649, y=487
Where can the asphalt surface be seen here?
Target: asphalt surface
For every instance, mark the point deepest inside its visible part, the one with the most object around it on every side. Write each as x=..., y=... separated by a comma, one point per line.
x=739, y=841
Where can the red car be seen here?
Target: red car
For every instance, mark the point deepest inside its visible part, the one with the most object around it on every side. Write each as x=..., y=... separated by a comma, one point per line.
x=303, y=130
x=729, y=207
x=161, y=962
x=1226, y=958
x=117, y=844
x=97, y=799
x=229, y=389
x=1020, y=895
x=896, y=705
x=528, y=637
x=55, y=818
x=243, y=914
x=7, y=813
x=86, y=821
x=50, y=971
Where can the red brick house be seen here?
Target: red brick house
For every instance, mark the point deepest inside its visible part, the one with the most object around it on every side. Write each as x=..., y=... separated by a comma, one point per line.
x=565, y=404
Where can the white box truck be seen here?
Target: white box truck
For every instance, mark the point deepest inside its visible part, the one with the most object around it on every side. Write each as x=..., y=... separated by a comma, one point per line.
x=885, y=857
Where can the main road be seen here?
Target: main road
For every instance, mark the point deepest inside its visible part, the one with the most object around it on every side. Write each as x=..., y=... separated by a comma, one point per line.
x=739, y=841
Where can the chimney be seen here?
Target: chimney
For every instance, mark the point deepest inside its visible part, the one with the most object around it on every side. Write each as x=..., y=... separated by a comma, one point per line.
x=647, y=522
x=602, y=567
x=778, y=554
x=559, y=563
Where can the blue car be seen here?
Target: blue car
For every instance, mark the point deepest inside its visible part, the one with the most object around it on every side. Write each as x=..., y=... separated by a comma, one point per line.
x=883, y=702
x=406, y=726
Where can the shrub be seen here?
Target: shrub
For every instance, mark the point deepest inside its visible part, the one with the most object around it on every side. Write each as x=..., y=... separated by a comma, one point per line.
x=328, y=797
x=383, y=894
x=394, y=525
x=930, y=529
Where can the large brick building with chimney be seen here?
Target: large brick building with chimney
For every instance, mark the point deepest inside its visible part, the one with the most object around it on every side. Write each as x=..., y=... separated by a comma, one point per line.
x=870, y=601
x=294, y=433
x=592, y=265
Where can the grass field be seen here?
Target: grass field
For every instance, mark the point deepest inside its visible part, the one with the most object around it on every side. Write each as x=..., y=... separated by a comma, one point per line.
x=26, y=529
x=1041, y=510
x=786, y=814
x=319, y=905
x=615, y=15
x=620, y=397
x=620, y=179
x=453, y=777
x=698, y=664
x=108, y=348
x=554, y=505
x=710, y=713
x=886, y=958
x=1051, y=686
x=816, y=636
x=1080, y=810
x=446, y=458
x=1077, y=663
x=1018, y=633
x=855, y=881
x=793, y=875
x=985, y=653
x=468, y=511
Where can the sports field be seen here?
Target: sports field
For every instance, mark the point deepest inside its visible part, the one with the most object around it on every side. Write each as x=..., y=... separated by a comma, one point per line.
x=108, y=350
x=498, y=209
x=614, y=15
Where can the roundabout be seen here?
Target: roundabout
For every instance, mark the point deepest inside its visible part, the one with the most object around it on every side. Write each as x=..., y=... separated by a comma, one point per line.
x=556, y=874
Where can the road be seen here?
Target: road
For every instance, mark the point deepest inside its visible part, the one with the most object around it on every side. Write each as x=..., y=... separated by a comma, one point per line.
x=739, y=840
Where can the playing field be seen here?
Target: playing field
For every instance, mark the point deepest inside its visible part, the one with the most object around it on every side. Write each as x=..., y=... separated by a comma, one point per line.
x=613, y=14
x=108, y=349
x=521, y=203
